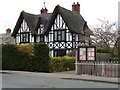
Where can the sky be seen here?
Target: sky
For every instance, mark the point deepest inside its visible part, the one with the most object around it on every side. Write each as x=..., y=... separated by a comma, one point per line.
x=91, y=10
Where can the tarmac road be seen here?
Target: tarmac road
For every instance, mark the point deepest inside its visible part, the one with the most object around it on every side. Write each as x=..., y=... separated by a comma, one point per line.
x=13, y=80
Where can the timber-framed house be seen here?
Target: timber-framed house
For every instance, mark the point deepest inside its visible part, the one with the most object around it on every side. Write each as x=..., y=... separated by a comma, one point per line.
x=63, y=30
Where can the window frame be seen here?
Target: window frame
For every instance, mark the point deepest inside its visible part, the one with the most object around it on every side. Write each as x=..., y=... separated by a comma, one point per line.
x=24, y=39
x=59, y=35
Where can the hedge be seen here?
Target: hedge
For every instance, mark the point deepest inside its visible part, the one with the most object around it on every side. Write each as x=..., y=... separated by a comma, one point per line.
x=10, y=56
x=34, y=57
x=103, y=50
x=58, y=64
x=116, y=59
x=41, y=58
x=25, y=57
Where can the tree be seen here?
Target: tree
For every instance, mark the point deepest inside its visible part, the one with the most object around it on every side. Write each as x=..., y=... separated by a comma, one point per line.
x=116, y=48
x=105, y=34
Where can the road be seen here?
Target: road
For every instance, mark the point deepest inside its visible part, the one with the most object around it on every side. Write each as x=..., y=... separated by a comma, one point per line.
x=34, y=81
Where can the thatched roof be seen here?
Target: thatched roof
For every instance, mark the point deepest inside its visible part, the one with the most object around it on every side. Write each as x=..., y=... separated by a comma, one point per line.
x=74, y=21
x=32, y=20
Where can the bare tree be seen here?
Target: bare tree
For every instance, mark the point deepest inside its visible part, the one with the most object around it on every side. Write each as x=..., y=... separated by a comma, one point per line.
x=105, y=34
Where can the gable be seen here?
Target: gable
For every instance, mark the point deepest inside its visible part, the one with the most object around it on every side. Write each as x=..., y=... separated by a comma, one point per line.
x=31, y=21
x=74, y=21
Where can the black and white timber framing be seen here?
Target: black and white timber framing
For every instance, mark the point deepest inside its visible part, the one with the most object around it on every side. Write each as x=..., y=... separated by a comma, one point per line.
x=63, y=30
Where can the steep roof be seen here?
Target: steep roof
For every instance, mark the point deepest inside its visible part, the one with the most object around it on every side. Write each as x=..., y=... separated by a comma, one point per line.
x=32, y=20
x=44, y=18
x=74, y=21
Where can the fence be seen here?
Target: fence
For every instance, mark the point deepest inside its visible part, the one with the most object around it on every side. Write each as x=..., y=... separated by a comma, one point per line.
x=99, y=68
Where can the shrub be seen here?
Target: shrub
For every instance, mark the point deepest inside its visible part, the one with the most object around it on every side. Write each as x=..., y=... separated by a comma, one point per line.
x=26, y=51
x=116, y=59
x=69, y=63
x=103, y=50
x=58, y=64
x=34, y=57
x=10, y=56
x=41, y=58
x=25, y=48
x=25, y=57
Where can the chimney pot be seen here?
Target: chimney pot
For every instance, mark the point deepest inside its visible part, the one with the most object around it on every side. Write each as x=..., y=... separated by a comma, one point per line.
x=44, y=10
x=76, y=7
x=8, y=31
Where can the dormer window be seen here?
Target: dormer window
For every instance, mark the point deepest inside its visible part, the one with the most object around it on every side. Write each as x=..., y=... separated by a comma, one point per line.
x=41, y=28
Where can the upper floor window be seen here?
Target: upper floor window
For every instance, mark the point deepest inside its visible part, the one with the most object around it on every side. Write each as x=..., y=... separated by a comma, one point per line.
x=41, y=29
x=24, y=37
x=59, y=35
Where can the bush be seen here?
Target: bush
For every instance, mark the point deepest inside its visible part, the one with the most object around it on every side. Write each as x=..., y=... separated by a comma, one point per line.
x=103, y=50
x=41, y=58
x=34, y=57
x=10, y=56
x=25, y=57
x=116, y=59
x=69, y=63
x=58, y=64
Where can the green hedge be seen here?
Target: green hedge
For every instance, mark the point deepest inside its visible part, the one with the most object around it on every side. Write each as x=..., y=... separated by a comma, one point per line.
x=10, y=56
x=25, y=57
x=41, y=58
x=103, y=50
x=116, y=59
x=34, y=57
x=59, y=64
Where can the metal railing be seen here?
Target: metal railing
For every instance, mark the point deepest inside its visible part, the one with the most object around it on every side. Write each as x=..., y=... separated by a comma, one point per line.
x=99, y=68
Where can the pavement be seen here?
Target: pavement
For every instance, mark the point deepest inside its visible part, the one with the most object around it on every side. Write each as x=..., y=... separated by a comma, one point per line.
x=69, y=75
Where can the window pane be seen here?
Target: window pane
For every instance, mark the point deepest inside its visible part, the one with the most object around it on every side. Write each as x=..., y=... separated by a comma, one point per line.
x=59, y=35
x=59, y=38
x=24, y=37
x=55, y=36
x=63, y=35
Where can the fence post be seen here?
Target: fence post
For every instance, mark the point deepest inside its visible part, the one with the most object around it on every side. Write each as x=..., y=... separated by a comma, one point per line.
x=103, y=71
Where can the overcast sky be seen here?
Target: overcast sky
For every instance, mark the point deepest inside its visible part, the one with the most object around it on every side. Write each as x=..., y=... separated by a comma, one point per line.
x=91, y=10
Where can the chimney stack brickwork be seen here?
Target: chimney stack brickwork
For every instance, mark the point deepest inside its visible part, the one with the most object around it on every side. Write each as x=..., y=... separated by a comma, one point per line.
x=76, y=7
x=44, y=10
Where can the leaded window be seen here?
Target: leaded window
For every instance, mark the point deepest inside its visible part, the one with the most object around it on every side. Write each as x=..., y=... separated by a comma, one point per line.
x=59, y=35
x=24, y=37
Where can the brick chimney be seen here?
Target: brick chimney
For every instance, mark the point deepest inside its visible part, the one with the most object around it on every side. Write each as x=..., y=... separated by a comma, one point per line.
x=76, y=7
x=44, y=10
x=8, y=31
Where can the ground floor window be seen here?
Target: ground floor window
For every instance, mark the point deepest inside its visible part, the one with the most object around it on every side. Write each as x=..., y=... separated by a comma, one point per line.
x=59, y=52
